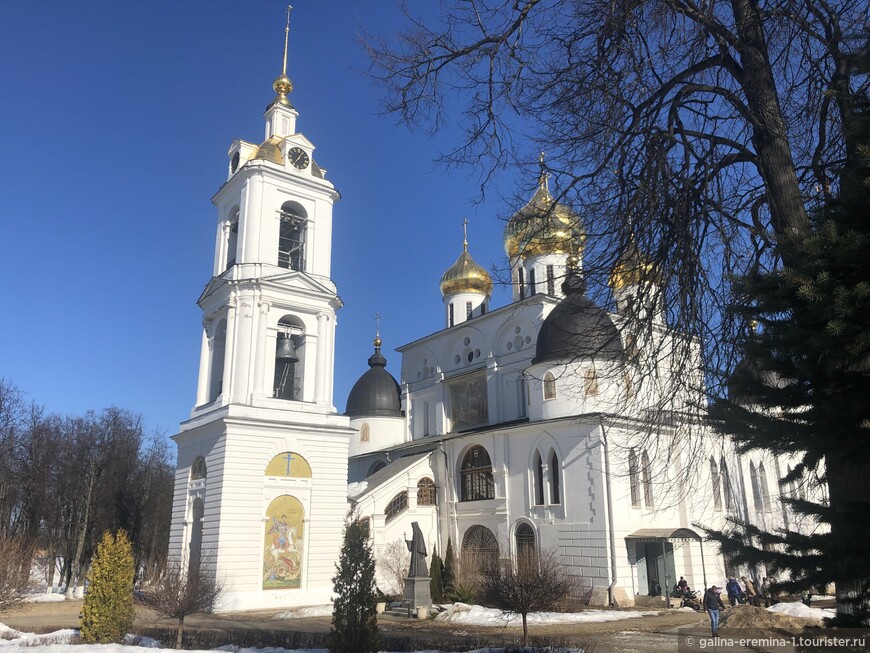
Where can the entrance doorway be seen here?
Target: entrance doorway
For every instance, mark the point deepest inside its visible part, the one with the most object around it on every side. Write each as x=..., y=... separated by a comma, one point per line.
x=655, y=561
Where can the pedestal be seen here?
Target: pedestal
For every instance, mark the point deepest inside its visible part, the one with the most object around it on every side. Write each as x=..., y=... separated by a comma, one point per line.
x=417, y=592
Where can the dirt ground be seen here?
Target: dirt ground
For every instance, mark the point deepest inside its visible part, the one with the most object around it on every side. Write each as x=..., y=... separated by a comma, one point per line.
x=650, y=634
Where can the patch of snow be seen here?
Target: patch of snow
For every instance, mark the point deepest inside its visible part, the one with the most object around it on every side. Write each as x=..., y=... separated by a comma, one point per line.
x=45, y=597
x=462, y=613
x=798, y=609
x=355, y=489
x=301, y=613
x=11, y=637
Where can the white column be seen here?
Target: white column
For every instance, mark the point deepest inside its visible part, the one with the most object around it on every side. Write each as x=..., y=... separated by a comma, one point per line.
x=205, y=353
x=226, y=389
x=242, y=347
x=249, y=227
x=320, y=378
x=330, y=359
x=220, y=250
x=260, y=352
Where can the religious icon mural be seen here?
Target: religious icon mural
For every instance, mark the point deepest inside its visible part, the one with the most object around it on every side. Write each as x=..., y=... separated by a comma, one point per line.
x=288, y=464
x=282, y=545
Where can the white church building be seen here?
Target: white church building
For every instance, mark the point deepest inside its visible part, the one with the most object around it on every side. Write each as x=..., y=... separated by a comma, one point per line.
x=511, y=430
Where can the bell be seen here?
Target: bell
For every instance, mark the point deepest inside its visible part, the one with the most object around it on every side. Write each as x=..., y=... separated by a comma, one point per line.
x=286, y=352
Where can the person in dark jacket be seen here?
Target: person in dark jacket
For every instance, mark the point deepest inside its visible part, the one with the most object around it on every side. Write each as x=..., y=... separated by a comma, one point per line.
x=712, y=604
x=735, y=593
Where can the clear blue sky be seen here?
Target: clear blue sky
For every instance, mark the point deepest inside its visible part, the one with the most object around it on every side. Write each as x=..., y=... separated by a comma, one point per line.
x=116, y=119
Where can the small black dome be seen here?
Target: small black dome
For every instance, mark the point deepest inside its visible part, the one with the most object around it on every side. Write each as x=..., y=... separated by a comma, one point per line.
x=376, y=393
x=578, y=328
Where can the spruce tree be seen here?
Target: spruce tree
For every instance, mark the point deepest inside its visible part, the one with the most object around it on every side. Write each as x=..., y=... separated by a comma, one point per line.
x=804, y=388
x=354, y=621
x=448, y=576
x=436, y=568
x=107, y=613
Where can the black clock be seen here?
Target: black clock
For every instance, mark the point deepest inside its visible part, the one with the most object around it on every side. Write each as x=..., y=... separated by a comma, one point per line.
x=298, y=158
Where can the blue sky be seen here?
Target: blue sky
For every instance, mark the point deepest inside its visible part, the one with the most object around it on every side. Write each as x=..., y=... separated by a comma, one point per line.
x=117, y=117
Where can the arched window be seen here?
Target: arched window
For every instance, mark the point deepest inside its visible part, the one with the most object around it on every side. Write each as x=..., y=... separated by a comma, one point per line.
x=218, y=352
x=479, y=549
x=756, y=487
x=197, y=510
x=289, y=346
x=376, y=466
x=426, y=492
x=714, y=478
x=549, y=386
x=555, y=476
x=525, y=537
x=521, y=396
x=539, y=479
x=364, y=432
x=476, y=476
x=634, y=478
x=198, y=469
x=365, y=525
x=726, y=485
x=397, y=505
x=291, y=237
x=762, y=486
x=647, y=479
x=590, y=382
x=232, y=238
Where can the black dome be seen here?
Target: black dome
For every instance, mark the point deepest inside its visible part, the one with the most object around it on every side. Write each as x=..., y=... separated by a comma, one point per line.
x=578, y=328
x=376, y=393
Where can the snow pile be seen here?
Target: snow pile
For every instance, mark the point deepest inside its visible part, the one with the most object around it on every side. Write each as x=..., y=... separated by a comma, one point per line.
x=12, y=637
x=44, y=597
x=475, y=615
x=355, y=489
x=801, y=611
x=302, y=613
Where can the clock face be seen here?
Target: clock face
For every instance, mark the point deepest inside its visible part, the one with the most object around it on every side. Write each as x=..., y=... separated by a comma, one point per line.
x=298, y=158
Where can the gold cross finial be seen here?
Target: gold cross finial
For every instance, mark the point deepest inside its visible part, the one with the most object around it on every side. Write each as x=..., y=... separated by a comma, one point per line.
x=286, y=39
x=544, y=176
x=465, y=234
x=377, y=342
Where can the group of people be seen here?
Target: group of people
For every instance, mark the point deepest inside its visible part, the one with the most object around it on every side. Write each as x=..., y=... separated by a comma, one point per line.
x=744, y=591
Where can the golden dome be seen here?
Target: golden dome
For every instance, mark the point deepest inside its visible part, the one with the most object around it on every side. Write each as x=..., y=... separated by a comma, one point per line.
x=633, y=269
x=283, y=87
x=269, y=150
x=543, y=226
x=466, y=276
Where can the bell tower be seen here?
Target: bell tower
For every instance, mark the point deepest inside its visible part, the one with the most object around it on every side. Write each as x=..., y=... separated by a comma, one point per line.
x=265, y=381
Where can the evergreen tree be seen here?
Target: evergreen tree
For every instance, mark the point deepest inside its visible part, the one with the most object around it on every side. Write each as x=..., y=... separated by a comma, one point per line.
x=354, y=622
x=448, y=575
x=436, y=570
x=804, y=387
x=107, y=613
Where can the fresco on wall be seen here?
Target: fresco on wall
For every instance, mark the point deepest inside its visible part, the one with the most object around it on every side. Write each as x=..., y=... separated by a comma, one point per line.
x=288, y=464
x=282, y=545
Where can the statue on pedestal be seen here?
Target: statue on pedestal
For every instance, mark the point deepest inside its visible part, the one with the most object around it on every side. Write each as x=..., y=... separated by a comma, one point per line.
x=417, y=582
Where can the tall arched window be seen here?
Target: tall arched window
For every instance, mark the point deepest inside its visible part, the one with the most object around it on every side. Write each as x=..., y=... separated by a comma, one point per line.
x=289, y=346
x=521, y=396
x=555, y=476
x=762, y=486
x=397, y=505
x=590, y=382
x=549, y=386
x=634, y=478
x=291, y=236
x=646, y=471
x=197, y=510
x=426, y=492
x=726, y=485
x=198, y=469
x=539, y=479
x=479, y=549
x=364, y=432
x=476, y=476
x=525, y=537
x=756, y=487
x=232, y=238
x=714, y=478
x=218, y=352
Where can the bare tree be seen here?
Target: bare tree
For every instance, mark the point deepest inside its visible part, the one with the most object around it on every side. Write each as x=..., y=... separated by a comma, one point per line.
x=528, y=585
x=178, y=592
x=392, y=565
x=15, y=558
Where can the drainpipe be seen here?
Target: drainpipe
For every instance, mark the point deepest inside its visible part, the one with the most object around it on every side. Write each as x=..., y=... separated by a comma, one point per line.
x=449, y=489
x=609, y=513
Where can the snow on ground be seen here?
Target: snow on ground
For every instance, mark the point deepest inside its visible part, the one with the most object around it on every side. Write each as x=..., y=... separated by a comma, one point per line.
x=798, y=609
x=475, y=615
x=44, y=597
x=301, y=613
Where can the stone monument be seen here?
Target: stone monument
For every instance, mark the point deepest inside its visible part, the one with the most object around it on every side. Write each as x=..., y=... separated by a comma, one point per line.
x=417, y=582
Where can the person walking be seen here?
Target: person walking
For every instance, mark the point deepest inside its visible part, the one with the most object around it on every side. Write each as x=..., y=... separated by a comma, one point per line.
x=712, y=604
x=734, y=592
x=749, y=588
x=764, y=591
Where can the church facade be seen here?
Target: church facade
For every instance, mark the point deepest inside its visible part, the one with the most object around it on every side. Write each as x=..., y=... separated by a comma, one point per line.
x=512, y=431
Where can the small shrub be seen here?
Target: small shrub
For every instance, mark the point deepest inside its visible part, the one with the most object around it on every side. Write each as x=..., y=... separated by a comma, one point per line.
x=107, y=613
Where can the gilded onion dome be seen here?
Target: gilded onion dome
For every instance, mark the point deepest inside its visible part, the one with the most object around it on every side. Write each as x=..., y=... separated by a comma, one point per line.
x=543, y=226
x=633, y=268
x=269, y=150
x=466, y=275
